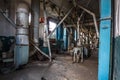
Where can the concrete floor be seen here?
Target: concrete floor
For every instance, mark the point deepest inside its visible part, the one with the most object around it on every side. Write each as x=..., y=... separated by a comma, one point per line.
x=62, y=68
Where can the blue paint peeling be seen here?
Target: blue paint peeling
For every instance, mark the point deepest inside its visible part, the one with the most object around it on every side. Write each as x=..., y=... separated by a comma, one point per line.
x=104, y=47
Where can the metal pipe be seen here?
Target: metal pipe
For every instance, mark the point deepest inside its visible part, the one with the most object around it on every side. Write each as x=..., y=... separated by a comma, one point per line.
x=106, y=18
x=96, y=27
x=84, y=11
x=78, y=28
x=35, y=20
x=60, y=22
x=98, y=20
x=94, y=18
x=46, y=27
x=59, y=6
x=22, y=42
x=36, y=47
x=22, y=24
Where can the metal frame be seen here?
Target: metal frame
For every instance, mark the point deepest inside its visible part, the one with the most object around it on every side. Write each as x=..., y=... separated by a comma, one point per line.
x=45, y=16
x=60, y=22
x=56, y=28
x=94, y=18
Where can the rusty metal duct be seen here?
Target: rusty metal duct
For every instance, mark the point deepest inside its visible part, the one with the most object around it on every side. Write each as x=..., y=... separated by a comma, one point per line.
x=22, y=41
x=35, y=20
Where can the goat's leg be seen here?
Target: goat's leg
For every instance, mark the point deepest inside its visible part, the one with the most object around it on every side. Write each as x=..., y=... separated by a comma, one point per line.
x=81, y=54
x=78, y=57
x=74, y=57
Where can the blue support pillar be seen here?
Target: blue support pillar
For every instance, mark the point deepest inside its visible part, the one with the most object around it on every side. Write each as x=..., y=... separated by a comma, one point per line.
x=59, y=38
x=59, y=33
x=105, y=41
x=65, y=38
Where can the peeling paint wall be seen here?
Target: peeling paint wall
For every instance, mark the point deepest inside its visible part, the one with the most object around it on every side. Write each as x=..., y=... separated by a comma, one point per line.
x=116, y=67
x=6, y=28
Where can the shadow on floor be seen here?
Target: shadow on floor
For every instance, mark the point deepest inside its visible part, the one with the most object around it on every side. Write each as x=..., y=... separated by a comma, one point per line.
x=61, y=68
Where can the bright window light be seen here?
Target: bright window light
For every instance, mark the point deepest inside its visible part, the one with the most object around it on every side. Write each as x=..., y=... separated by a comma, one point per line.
x=52, y=26
x=29, y=18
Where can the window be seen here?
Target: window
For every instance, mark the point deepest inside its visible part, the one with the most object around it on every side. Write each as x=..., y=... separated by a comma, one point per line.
x=52, y=26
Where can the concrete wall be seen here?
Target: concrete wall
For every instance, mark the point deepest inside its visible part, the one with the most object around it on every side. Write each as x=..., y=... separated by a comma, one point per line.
x=6, y=28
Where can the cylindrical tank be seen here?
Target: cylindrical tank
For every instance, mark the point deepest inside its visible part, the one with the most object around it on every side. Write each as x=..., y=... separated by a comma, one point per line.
x=21, y=53
x=35, y=7
x=22, y=21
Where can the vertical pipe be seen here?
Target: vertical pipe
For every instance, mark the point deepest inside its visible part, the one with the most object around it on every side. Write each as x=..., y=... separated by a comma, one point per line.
x=35, y=20
x=78, y=32
x=78, y=28
x=46, y=27
x=22, y=42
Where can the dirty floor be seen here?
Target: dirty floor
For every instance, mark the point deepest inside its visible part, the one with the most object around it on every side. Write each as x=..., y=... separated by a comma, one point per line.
x=61, y=68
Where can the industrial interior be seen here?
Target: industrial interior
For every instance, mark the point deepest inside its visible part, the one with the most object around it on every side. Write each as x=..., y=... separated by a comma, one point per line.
x=59, y=40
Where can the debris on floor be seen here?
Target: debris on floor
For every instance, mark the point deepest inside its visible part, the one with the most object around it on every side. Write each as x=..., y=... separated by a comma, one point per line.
x=61, y=68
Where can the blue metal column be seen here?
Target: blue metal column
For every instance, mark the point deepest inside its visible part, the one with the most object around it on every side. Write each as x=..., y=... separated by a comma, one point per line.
x=59, y=33
x=65, y=38
x=59, y=38
x=105, y=36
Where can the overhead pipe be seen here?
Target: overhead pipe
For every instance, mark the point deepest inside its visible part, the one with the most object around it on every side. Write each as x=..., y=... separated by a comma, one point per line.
x=46, y=27
x=84, y=11
x=59, y=6
x=60, y=22
x=94, y=18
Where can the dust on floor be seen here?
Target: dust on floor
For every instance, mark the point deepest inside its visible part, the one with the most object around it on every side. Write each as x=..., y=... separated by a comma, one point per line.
x=61, y=68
